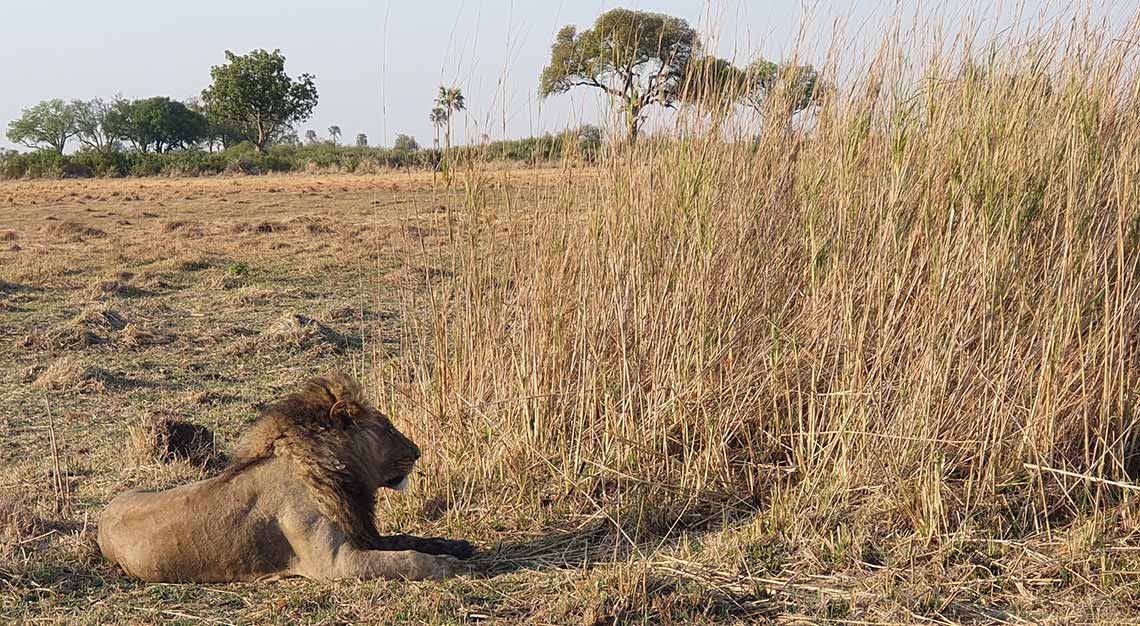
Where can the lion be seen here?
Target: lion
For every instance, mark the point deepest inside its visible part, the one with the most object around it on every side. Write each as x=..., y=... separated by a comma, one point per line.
x=296, y=500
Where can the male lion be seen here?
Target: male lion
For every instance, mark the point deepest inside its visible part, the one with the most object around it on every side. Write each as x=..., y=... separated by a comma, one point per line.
x=296, y=501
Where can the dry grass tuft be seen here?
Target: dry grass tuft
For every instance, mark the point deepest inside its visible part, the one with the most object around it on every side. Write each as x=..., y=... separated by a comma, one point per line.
x=8, y=235
x=182, y=228
x=94, y=324
x=163, y=439
x=71, y=373
x=135, y=337
x=297, y=333
x=109, y=289
x=264, y=227
x=312, y=224
x=70, y=231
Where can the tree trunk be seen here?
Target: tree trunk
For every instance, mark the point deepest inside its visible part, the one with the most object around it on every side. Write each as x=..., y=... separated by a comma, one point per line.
x=632, y=123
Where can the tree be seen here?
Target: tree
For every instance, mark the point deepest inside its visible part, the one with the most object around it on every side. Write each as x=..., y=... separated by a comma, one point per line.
x=589, y=138
x=637, y=58
x=451, y=101
x=334, y=132
x=221, y=132
x=254, y=93
x=157, y=123
x=288, y=137
x=168, y=124
x=714, y=84
x=406, y=143
x=311, y=137
x=361, y=140
x=437, y=117
x=96, y=126
x=796, y=86
x=49, y=124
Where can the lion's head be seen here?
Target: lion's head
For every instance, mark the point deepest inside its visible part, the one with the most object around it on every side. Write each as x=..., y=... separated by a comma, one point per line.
x=343, y=450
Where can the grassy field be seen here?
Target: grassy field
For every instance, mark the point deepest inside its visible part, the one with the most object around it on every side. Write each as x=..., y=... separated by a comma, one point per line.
x=879, y=370
x=128, y=301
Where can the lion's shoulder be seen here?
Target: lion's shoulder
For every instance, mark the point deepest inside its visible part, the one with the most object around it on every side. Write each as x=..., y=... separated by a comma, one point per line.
x=310, y=430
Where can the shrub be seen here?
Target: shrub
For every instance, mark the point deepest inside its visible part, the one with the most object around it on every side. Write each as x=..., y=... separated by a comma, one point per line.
x=102, y=162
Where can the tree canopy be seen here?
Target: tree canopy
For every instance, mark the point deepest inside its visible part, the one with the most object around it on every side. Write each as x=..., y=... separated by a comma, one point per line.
x=448, y=102
x=47, y=125
x=795, y=86
x=405, y=142
x=255, y=95
x=638, y=58
x=96, y=126
x=714, y=83
x=159, y=123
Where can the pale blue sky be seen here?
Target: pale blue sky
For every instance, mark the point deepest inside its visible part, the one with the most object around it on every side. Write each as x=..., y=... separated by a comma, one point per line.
x=378, y=63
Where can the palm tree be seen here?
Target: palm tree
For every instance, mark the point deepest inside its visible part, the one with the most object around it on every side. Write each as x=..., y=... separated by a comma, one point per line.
x=437, y=117
x=334, y=132
x=451, y=101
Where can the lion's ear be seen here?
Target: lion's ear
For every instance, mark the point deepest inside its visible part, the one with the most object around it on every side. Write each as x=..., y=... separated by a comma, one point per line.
x=345, y=413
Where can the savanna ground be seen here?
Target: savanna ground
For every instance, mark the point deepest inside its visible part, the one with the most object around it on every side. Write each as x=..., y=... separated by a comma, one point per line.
x=126, y=303
x=881, y=368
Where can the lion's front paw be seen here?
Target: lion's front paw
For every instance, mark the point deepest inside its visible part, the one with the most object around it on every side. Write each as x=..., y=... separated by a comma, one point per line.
x=447, y=547
x=433, y=567
x=460, y=548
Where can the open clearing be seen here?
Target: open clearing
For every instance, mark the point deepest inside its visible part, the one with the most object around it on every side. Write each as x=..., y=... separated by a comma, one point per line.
x=126, y=301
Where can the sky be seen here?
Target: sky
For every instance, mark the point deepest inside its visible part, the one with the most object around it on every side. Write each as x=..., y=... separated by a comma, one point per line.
x=379, y=63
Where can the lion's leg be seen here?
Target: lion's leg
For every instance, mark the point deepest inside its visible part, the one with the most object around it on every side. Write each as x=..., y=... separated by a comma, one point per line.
x=432, y=545
x=324, y=552
x=399, y=564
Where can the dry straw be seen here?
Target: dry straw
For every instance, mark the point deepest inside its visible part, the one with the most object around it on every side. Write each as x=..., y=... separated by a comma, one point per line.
x=888, y=306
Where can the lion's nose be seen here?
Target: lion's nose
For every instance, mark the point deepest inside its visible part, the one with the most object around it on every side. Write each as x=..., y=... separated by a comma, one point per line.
x=415, y=451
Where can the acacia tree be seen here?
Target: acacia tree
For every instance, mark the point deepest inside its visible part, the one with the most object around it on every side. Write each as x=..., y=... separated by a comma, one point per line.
x=254, y=93
x=311, y=136
x=49, y=124
x=334, y=132
x=437, y=117
x=361, y=140
x=451, y=101
x=637, y=58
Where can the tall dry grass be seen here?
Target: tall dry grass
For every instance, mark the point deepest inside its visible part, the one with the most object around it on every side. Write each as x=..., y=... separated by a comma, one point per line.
x=911, y=305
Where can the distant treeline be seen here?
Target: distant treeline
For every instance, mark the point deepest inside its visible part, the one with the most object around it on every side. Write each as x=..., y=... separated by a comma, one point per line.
x=583, y=143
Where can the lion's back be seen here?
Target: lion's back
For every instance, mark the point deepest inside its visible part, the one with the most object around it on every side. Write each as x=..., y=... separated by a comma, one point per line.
x=211, y=530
